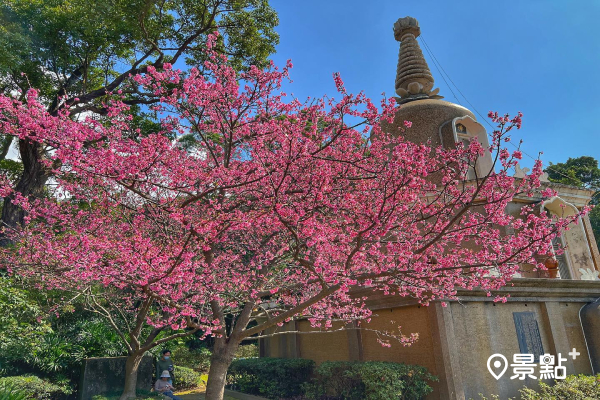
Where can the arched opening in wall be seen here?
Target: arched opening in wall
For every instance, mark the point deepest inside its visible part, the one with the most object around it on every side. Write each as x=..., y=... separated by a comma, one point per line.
x=568, y=263
x=466, y=129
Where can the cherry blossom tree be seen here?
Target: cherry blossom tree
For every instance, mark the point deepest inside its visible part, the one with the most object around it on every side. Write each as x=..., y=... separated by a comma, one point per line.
x=276, y=209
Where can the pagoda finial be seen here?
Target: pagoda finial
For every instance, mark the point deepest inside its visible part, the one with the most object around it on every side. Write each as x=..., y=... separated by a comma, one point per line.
x=413, y=77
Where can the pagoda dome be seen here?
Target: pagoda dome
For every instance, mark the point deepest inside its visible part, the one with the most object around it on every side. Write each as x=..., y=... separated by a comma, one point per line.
x=432, y=118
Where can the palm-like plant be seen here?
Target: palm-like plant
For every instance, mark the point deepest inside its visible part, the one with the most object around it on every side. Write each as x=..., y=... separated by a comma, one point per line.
x=9, y=392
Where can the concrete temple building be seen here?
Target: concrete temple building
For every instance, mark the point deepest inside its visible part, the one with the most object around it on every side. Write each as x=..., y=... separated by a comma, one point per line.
x=551, y=312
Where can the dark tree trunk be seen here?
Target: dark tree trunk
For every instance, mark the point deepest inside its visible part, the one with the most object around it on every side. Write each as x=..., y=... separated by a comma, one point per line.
x=5, y=146
x=219, y=363
x=131, y=374
x=31, y=184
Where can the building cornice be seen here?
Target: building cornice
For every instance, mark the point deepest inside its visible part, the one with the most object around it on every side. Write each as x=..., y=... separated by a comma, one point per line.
x=518, y=290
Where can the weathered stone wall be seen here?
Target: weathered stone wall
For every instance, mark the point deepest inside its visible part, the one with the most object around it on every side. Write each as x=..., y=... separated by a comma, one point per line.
x=361, y=345
x=578, y=250
x=106, y=375
x=455, y=342
x=411, y=319
x=485, y=328
x=332, y=346
x=427, y=116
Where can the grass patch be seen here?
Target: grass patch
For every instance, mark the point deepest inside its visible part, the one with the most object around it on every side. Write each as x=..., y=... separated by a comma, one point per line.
x=140, y=396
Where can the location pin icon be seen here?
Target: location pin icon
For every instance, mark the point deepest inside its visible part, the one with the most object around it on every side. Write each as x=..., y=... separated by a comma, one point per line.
x=500, y=364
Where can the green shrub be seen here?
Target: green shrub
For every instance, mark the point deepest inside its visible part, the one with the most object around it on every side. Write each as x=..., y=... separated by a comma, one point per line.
x=57, y=353
x=197, y=359
x=247, y=351
x=273, y=378
x=185, y=378
x=9, y=392
x=35, y=387
x=371, y=380
x=20, y=332
x=574, y=387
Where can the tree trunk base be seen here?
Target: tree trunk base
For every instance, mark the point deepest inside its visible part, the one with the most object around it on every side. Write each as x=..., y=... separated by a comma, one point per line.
x=131, y=373
x=217, y=374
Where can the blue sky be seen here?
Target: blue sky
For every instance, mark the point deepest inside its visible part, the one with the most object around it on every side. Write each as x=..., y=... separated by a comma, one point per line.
x=538, y=57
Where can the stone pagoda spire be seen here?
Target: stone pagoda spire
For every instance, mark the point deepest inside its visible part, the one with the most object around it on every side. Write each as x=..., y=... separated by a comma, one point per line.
x=413, y=77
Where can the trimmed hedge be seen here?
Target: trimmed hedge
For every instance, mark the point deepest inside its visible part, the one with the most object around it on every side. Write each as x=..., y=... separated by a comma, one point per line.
x=186, y=378
x=35, y=387
x=273, y=378
x=278, y=378
x=371, y=380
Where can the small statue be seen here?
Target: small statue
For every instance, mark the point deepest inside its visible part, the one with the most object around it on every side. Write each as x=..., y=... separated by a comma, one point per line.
x=520, y=172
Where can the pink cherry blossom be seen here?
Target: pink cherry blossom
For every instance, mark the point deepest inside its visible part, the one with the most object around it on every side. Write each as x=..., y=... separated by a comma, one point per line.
x=280, y=209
